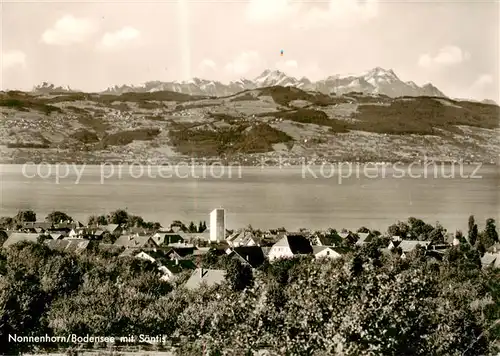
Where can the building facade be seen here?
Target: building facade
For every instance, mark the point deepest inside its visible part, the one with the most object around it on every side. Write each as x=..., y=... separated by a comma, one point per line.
x=218, y=225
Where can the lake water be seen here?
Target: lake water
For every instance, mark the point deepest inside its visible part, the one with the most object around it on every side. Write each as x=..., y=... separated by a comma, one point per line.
x=268, y=197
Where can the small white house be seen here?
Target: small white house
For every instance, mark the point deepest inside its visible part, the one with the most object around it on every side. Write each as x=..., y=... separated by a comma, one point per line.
x=290, y=246
x=325, y=252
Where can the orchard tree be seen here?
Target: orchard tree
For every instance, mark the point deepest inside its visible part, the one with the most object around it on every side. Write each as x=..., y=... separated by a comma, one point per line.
x=57, y=217
x=119, y=217
x=25, y=216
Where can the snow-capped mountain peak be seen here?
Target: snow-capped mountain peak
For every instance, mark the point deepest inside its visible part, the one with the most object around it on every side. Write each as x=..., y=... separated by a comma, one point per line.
x=375, y=81
x=47, y=87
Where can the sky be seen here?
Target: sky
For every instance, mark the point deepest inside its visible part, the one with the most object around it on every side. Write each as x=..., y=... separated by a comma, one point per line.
x=90, y=45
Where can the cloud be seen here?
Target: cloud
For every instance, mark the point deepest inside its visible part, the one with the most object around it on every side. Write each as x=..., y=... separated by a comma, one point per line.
x=244, y=63
x=448, y=55
x=338, y=12
x=270, y=10
x=341, y=13
x=284, y=65
x=289, y=66
x=207, y=64
x=482, y=81
x=120, y=37
x=69, y=30
x=13, y=58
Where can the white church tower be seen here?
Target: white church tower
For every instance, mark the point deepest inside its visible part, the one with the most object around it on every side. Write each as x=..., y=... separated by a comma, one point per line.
x=217, y=225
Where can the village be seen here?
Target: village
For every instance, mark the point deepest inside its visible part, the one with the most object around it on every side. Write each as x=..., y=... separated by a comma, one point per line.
x=178, y=250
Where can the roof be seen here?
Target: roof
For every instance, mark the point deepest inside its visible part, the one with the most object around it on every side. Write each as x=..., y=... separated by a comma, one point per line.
x=252, y=254
x=330, y=239
x=37, y=224
x=318, y=249
x=409, y=245
x=209, y=277
x=364, y=237
x=132, y=241
x=201, y=251
x=178, y=266
x=110, y=227
x=181, y=251
x=70, y=245
x=196, y=236
x=16, y=237
x=129, y=252
x=339, y=250
x=265, y=250
x=241, y=237
x=344, y=234
x=491, y=260
x=298, y=244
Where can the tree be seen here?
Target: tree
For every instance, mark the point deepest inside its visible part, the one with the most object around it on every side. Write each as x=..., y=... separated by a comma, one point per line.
x=119, y=217
x=25, y=216
x=200, y=227
x=238, y=275
x=491, y=230
x=57, y=217
x=156, y=226
x=97, y=220
x=363, y=230
x=192, y=227
x=3, y=237
x=6, y=222
x=460, y=237
x=400, y=229
x=135, y=221
x=472, y=233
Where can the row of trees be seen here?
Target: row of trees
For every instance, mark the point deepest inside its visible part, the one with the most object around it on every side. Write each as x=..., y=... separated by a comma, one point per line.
x=417, y=229
x=120, y=216
x=362, y=304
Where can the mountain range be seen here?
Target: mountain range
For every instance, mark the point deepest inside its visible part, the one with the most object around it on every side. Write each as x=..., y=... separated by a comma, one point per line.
x=375, y=81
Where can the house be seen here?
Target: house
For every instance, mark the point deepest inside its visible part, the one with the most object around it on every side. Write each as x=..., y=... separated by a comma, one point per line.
x=200, y=251
x=42, y=225
x=134, y=231
x=135, y=241
x=451, y=239
x=178, y=253
x=249, y=255
x=16, y=237
x=58, y=235
x=325, y=251
x=344, y=234
x=491, y=260
x=114, y=229
x=60, y=231
x=70, y=245
x=207, y=277
x=242, y=238
x=167, y=238
x=329, y=239
x=364, y=238
x=265, y=251
x=409, y=245
x=197, y=236
x=171, y=269
x=290, y=246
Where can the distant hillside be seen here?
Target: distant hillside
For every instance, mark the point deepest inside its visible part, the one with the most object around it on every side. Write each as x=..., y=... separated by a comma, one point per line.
x=264, y=122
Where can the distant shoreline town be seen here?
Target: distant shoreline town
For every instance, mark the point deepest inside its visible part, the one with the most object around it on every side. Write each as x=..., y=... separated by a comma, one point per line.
x=194, y=281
